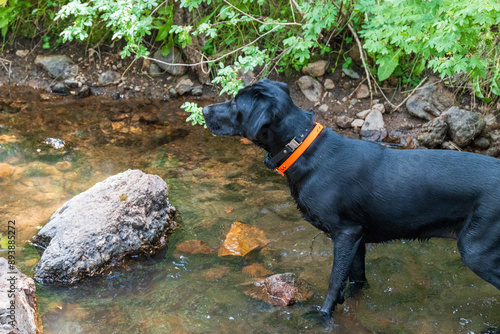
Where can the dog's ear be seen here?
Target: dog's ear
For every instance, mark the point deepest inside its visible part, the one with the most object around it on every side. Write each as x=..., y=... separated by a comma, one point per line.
x=283, y=87
x=261, y=115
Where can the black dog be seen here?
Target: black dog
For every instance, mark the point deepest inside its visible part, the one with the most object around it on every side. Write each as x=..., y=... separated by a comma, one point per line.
x=360, y=192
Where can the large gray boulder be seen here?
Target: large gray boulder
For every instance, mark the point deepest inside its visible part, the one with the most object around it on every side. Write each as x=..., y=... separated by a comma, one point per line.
x=127, y=214
x=461, y=126
x=18, y=301
x=430, y=100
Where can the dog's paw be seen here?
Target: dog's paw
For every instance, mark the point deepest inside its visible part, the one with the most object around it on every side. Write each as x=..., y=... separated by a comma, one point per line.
x=318, y=318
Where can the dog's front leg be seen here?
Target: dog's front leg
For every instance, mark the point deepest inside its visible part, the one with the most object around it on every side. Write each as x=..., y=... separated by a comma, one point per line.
x=345, y=249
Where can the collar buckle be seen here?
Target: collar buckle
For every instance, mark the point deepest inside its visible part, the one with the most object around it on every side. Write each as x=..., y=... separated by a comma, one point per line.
x=293, y=144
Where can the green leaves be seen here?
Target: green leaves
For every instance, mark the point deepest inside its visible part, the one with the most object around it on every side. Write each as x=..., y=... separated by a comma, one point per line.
x=196, y=114
x=183, y=34
x=387, y=64
x=450, y=36
x=129, y=20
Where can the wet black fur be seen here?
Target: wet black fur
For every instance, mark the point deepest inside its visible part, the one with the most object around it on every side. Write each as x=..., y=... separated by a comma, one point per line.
x=359, y=192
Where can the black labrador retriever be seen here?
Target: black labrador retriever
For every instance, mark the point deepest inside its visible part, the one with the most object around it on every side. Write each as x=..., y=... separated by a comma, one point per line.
x=360, y=192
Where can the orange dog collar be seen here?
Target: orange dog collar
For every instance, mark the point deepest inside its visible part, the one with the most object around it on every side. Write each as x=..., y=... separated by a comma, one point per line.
x=300, y=149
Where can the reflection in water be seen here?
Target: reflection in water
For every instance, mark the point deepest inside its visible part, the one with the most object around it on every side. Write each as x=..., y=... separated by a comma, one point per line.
x=213, y=181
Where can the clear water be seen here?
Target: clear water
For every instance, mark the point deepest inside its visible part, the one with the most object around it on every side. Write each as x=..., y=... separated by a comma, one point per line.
x=414, y=287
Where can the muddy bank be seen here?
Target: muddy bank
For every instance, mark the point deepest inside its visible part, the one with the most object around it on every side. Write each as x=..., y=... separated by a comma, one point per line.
x=339, y=97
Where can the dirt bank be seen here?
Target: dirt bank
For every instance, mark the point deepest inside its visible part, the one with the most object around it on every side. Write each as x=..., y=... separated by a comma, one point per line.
x=336, y=108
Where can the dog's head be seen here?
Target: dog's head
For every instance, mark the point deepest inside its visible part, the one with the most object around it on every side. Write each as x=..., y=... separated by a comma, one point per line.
x=262, y=112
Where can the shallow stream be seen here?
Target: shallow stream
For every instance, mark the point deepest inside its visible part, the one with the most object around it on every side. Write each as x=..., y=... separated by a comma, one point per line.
x=414, y=287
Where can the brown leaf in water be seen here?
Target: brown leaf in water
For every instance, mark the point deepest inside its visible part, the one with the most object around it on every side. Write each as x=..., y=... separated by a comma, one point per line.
x=256, y=270
x=242, y=239
x=215, y=274
x=194, y=247
x=31, y=262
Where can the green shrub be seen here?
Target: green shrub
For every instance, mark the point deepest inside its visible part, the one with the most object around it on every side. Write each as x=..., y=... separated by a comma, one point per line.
x=28, y=18
x=449, y=37
x=455, y=38
x=128, y=19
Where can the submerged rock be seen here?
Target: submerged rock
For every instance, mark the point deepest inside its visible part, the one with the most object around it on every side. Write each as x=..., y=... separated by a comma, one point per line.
x=17, y=314
x=125, y=215
x=55, y=142
x=194, y=247
x=256, y=270
x=215, y=273
x=12, y=106
x=242, y=239
x=280, y=289
x=6, y=171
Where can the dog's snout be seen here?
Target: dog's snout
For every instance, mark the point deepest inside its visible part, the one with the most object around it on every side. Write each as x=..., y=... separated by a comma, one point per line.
x=206, y=110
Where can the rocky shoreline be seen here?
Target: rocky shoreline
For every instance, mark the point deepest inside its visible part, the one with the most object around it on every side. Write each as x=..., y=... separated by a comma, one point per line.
x=340, y=99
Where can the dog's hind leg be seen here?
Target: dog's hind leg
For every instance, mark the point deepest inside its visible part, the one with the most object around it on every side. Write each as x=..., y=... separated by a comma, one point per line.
x=357, y=277
x=345, y=250
x=479, y=246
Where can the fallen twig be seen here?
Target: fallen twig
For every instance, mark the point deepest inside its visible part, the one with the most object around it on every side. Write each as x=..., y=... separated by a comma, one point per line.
x=8, y=70
x=355, y=35
x=355, y=89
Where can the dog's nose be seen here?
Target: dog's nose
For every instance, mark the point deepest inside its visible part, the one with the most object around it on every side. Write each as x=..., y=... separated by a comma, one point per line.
x=205, y=110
